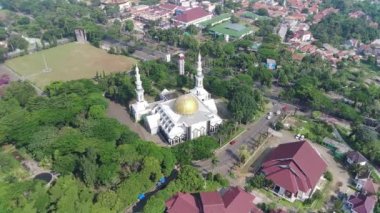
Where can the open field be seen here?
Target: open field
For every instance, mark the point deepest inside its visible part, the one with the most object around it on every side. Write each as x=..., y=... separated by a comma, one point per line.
x=68, y=62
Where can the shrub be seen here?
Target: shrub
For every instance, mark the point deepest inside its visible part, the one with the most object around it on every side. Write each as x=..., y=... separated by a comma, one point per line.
x=328, y=176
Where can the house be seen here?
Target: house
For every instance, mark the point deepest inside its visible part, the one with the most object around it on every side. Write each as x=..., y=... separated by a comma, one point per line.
x=361, y=203
x=230, y=200
x=192, y=16
x=297, y=56
x=352, y=43
x=293, y=177
x=282, y=32
x=212, y=202
x=271, y=64
x=368, y=187
x=355, y=157
x=356, y=14
x=237, y=200
x=122, y=4
x=301, y=36
x=182, y=202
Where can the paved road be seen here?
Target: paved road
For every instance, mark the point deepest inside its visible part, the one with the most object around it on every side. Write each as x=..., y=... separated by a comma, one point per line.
x=228, y=156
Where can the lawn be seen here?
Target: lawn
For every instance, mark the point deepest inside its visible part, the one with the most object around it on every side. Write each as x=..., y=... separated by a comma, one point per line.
x=68, y=62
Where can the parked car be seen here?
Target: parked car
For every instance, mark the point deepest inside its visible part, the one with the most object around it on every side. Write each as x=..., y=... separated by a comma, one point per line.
x=232, y=142
x=298, y=136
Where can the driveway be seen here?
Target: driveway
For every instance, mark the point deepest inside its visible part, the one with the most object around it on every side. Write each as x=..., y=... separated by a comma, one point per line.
x=228, y=156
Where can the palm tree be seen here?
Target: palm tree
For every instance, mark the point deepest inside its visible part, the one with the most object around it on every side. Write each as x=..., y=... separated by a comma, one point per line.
x=214, y=163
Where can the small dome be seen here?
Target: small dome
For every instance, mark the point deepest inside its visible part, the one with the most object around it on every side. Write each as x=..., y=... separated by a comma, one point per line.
x=186, y=105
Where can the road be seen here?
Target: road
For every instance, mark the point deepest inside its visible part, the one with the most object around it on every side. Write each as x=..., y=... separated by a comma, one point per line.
x=228, y=156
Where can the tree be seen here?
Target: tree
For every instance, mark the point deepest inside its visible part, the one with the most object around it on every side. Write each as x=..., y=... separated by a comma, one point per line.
x=234, y=19
x=192, y=29
x=214, y=162
x=262, y=12
x=88, y=167
x=243, y=154
x=258, y=181
x=17, y=42
x=3, y=34
x=22, y=91
x=283, y=78
x=305, y=10
x=218, y=9
x=129, y=26
x=243, y=106
x=328, y=176
x=189, y=180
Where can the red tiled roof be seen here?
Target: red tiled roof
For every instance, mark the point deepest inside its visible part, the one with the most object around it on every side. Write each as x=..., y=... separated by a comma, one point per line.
x=370, y=187
x=294, y=166
x=362, y=203
x=237, y=200
x=168, y=6
x=212, y=202
x=233, y=200
x=191, y=15
x=182, y=202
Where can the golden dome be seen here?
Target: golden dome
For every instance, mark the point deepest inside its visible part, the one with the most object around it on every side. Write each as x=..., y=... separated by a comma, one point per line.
x=186, y=105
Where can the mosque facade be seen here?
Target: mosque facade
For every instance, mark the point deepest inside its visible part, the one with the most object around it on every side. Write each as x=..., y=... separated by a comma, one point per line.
x=178, y=119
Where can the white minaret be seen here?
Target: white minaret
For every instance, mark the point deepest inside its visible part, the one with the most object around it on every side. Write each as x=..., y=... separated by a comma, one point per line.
x=139, y=108
x=199, y=76
x=199, y=91
x=139, y=88
x=181, y=64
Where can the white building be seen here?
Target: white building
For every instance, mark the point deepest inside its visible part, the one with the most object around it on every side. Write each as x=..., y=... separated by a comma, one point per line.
x=178, y=119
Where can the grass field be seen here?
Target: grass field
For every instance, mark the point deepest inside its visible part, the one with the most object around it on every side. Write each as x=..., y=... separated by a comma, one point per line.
x=68, y=62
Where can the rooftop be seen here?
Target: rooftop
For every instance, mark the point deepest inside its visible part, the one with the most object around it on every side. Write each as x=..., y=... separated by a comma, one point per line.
x=286, y=166
x=216, y=20
x=191, y=15
x=232, y=29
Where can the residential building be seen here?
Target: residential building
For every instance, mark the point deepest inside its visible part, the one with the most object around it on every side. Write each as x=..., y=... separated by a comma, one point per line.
x=294, y=177
x=361, y=203
x=231, y=200
x=193, y=16
x=271, y=64
x=355, y=157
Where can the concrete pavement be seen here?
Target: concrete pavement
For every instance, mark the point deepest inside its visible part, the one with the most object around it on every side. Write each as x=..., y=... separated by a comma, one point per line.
x=228, y=156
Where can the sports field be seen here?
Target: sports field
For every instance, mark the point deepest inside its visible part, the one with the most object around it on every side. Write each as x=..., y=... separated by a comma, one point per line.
x=68, y=62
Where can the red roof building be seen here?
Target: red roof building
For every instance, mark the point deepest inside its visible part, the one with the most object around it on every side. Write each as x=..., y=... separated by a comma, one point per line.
x=237, y=200
x=182, y=202
x=295, y=169
x=212, y=202
x=192, y=16
x=361, y=203
x=232, y=200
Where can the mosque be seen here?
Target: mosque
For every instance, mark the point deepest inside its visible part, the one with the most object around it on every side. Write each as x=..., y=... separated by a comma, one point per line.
x=178, y=119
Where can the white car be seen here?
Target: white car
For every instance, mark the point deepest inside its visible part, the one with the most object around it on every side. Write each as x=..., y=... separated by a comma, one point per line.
x=278, y=112
x=298, y=136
